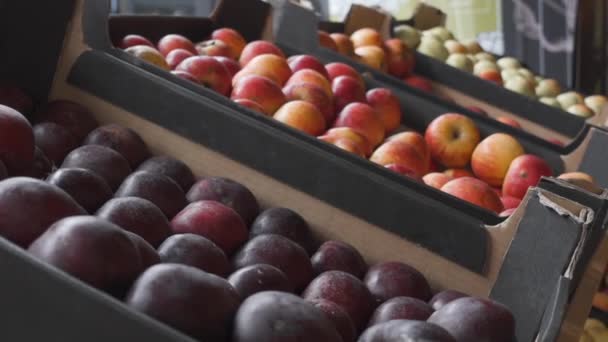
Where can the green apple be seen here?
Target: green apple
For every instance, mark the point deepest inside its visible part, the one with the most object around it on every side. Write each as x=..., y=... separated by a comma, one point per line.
x=550, y=101
x=521, y=85
x=596, y=102
x=527, y=74
x=460, y=61
x=548, y=88
x=407, y=34
x=433, y=47
x=508, y=63
x=485, y=56
x=441, y=32
x=483, y=65
x=581, y=110
x=570, y=98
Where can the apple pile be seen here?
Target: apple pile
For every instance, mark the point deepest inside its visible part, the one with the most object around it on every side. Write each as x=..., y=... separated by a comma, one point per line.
x=440, y=44
x=201, y=255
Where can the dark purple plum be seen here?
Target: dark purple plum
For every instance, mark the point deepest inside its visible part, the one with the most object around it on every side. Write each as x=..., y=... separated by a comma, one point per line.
x=345, y=290
x=54, y=140
x=172, y=168
x=86, y=187
x=91, y=249
x=29, y=206
x=74, y=117
x=341, y=320
x=405, y=330
x=122, y=140
x=196, y=251
x=229, y=193
x=401, y=308
x=391, y=279
x=147, y=253
x=257, y=278
x=41, y=167
x=279, y=252
x=285, y=222
x=16, y=141
x=280, y=316
x=338, y=256
x=107, y=163
x=138, y=216
x=442, y=298
x=194, y=302
x=156, y=188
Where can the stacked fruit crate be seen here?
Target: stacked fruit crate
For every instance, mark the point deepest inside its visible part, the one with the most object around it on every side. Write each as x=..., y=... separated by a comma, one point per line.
x=237, y=203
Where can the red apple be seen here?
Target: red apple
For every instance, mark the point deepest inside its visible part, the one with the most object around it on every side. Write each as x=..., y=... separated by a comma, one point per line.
x=232, y=38
x=371, y=56
x=314, y=94
x=363, y=119
x=312, y=77
x=400, y=153
x=509, y=121
x=387, y=106
x=134, y=40
x=271, y=66
x=326, y=41
x=492, y=157
x=458, y=173
x=474, y=191
x=215, y=48
x=335, y=70
x=230, y=64
x=260, y=90
x=510, y=202
x=341, y=133
x=185, y=75
x=436, y=179
x=251, y=105
x=347, y=90
x=171, y=42
x=400, y=59
x=175, y=57
x=257, y=48
x=524, y=171
x=303, y=116
x=300, y=62
x=420, y=83
x=366, y=37
x=491, y=75
x=452, y=138
x=343, y=43
x=348, y=145
x=417, y=141
x=148, y=54
x=209, y=72
x=404, y=171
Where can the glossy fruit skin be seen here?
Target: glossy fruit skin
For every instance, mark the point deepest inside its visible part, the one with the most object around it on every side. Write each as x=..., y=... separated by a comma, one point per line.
x=196, y=251
x=16, y=141
x=452, y=138
x=474, y=191
x=338, y=256
x=391, y=279
x=442, y=298
x=493, y=156
x=250, y=280
x=525, y=171
x=170, y=167
x=341, y=320
x=287, y=223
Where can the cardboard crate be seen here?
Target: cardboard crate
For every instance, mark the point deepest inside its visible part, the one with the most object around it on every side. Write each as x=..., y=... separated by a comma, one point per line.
x=62, y=308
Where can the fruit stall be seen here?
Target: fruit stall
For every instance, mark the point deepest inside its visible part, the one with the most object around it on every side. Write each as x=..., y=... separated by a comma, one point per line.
x=231, y=178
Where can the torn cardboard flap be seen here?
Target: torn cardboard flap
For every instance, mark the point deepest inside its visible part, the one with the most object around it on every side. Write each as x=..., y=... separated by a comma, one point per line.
x=426, y=17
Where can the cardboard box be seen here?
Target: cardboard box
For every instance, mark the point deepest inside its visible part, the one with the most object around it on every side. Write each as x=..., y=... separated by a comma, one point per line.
x=63, y=308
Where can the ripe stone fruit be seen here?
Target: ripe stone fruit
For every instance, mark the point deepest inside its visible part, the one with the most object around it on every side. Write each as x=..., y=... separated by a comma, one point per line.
x=310, y=76
x=326, y=41
x=302, y=116
x=256, y=48
x=366, y=37
x=301, y=62
x=474, y=191
x=364, y=120
x=212, y=220
x=371, y=56
x=402, y=154
x=442, y=298
x=260, y=90
x=399, y=58
x=525, y=171
x=347, y=90
x=214, y=48
x=54, y=140
x=45, y=204
x=16, y=141
x=134, y=40
x=436, y=179
x=205, y=303
x=196, y=251
x=315, y=95
x=287, y=223
x=342, y=322
x=170, y=167
x=452, y=138
x=139, y=216
x=338, y=256
x=209, y=72
x=86, y=187
x=156, y=188
x=270, y=66
x=401, y=308
x=279, y=316
x=343, y=43
x=345, y=290
x=419, y=83
x=491, y=159
x=509, y=121
x=279, y=252
x=14, y=97
x=74, y=117
x=391, y=279
x=406, y=330
x=175, y=57
x=387, y=106
x=231, y=65
x=171, y=42
x=258, y=278
x=41, y=167
x=475, y=319
x=227, y=192
x=122, y=140
x=340, y=69
x=232, y=38
x=93, y=250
